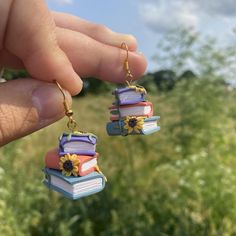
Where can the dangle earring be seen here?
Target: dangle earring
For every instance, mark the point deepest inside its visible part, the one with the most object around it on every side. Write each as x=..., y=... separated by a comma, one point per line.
x=131, y=113
x=72, y=169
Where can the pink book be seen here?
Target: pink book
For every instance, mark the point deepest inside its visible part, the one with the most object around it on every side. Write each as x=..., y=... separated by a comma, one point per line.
x=139, y=109
x=87, y=164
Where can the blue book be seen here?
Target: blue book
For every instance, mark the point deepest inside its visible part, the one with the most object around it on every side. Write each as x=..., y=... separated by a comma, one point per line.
x=74, y=187
x=132, y=125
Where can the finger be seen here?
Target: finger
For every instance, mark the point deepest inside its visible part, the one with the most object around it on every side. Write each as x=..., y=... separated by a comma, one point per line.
x=92, y=58
x=30, y=36
x=98, y=32
x=28, y=105
x=9, y=60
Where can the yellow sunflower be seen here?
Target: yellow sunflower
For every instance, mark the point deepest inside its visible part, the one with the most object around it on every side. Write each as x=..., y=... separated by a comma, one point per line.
x=69, y=164
x=133, y=123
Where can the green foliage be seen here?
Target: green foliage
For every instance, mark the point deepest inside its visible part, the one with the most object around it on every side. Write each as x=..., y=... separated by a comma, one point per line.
x=92, y=86
x=184, y=49
x=165, y=80
x=176, y=48
x=180, y=181
x=147, y=81
x=10, y=74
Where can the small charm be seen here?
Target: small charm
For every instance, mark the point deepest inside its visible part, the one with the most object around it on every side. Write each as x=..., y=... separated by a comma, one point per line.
x=72, y=168
x=131, y=113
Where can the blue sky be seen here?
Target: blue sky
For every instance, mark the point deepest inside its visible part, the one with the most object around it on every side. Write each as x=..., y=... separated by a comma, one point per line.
x=148, y=20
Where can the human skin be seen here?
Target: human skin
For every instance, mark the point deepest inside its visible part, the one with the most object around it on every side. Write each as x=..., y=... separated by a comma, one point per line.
x=53, y=46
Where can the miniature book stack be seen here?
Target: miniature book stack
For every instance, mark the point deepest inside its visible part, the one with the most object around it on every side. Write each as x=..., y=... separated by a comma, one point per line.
x=72, y=170
x=131, y=113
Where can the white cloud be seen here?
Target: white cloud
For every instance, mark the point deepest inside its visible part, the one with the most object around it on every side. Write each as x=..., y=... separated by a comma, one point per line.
x=163, y=15
x=225, y=8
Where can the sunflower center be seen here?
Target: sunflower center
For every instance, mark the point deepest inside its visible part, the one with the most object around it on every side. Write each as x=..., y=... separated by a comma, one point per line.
x=132, y=122
x=68, y=165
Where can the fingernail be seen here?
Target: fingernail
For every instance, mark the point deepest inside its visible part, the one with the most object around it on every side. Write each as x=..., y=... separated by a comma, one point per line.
x=48, y=100
x=78, y=84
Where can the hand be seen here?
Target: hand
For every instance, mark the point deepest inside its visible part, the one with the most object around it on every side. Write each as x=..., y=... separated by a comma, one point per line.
x=53, y=46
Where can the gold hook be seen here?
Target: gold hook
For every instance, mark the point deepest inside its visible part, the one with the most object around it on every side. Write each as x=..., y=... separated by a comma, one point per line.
x=125, y=47
x=71, y=124
x=126, y=63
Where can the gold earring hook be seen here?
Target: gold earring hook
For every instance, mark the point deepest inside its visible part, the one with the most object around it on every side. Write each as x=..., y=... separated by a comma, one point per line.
x=71, y=124
x=126, y=63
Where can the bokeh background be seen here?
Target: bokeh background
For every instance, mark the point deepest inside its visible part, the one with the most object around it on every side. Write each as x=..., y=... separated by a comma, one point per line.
x=180, y=181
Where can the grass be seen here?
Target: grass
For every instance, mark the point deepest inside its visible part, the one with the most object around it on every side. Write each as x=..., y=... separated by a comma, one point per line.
x=175, y=182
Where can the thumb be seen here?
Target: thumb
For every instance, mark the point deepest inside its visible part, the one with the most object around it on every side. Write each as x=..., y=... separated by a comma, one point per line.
x=27, y=105
x=30, y=35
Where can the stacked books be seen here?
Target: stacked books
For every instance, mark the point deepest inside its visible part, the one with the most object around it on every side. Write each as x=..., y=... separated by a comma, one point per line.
x=131, y=114
x=72, y=170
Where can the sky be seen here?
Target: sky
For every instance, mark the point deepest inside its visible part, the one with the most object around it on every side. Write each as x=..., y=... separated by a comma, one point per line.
x=149, y=20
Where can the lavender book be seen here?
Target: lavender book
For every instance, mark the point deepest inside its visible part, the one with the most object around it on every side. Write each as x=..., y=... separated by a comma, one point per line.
x=77, y=143
x=130, y=95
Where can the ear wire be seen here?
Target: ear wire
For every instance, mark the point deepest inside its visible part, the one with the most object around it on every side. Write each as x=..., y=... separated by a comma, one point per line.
x=71, y=124
x=126, y=63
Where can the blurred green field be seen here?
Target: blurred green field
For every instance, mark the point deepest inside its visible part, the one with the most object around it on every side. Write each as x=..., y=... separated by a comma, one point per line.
x=180, y=181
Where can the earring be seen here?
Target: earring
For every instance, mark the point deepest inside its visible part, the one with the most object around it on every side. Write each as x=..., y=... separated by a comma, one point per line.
x=72, y=169
x=131, y=113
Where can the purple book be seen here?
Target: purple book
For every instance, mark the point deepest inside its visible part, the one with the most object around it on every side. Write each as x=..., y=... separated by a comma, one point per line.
x=78, y=143
x=129, y=95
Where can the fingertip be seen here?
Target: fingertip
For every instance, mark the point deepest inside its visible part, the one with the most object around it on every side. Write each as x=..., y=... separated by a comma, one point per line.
x=131, y=41
x=141, y=63
x=128, y=39
x=76, y=84
x=65, y=73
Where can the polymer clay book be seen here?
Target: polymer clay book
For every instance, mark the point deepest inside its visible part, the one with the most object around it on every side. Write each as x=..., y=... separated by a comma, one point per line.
x=138, y=109
x=129, y=95
x=131, y=113
x=141, y=125
x=74, y=187
x=78, y=143
x=71, y=169
x=85, y=164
